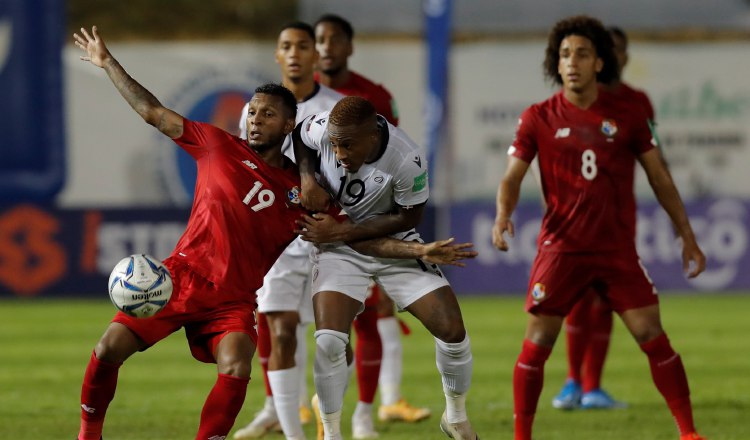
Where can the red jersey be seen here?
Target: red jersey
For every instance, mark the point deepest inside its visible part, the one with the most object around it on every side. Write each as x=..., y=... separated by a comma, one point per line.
x=625, y=92
x=243, y=213
x=380, y=98
x=587, y=167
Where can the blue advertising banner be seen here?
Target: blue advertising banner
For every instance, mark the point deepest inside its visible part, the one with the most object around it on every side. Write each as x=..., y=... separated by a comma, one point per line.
x=47, y=252
x=32, y=146
x=722, y=227
x=51, y=252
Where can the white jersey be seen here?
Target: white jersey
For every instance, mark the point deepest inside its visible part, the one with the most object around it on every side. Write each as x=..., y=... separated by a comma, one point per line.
x=322, y=99
x=398, y=177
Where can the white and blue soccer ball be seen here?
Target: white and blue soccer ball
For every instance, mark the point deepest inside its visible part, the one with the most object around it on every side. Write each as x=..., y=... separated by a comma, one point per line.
x=140, y=286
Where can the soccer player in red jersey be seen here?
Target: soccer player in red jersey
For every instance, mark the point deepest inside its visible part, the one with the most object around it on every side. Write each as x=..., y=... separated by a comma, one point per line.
x=587, y=144
x=588, y=326
x=243, y=217
x=378, y=330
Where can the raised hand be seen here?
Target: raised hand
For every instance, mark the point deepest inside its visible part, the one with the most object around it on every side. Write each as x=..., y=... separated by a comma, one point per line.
x=94, y=47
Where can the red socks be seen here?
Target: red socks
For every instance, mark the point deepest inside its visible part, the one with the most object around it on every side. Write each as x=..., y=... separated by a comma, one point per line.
x=368, y=353
x=577, y=334
x=528, y=378
x=99, y=384
x=223, y=404
x=264, y=349
x=671, y=381
x=600, y=333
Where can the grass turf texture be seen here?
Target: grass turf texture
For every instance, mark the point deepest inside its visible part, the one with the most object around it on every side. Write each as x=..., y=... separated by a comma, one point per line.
x=44, y=347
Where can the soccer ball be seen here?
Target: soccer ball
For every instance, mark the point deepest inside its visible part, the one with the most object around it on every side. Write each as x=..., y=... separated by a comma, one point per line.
x=140, y=286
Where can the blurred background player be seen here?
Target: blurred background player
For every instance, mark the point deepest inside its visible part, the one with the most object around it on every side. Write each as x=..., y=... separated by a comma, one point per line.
x=587, y=143
x=378, y=349
x=588, y=327
x=284, y=301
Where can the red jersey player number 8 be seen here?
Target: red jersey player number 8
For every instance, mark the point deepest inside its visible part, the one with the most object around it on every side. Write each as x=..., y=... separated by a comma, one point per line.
x=588, y=164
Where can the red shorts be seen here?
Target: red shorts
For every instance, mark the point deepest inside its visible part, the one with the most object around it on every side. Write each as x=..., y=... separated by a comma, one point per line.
x=559, y=280
x=207, y=314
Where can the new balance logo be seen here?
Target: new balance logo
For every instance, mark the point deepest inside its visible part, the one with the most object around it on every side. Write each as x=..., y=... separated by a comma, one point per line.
x=250, y=164
x=562, y=133
x=418, y=161
x=88, y=409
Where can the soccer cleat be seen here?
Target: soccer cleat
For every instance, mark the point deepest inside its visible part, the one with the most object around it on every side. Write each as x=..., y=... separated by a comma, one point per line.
x=363, y=427
x=318, y=421
x=457, y=431
x=692, y=436
x=305, y=415
x=402, y=411
x=600, y=399
x=265, y=420
x=569, y=396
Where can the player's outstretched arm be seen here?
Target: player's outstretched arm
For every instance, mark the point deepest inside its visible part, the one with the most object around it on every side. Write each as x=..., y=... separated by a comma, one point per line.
x=660, y=179
x=142, y=101
x=507, y=198
x=437, y=252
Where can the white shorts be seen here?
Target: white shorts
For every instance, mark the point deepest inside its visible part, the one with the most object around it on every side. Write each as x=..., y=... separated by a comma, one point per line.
x=341, y=269
x=286, y=287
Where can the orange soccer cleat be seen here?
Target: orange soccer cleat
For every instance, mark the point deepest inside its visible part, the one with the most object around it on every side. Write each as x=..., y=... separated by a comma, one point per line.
x=402, y=411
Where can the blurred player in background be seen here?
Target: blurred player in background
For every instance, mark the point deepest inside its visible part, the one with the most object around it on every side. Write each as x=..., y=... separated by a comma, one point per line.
x=587, y=143
x=284, y=301
x=588, y=327
x=334, y=42
x=379, y=178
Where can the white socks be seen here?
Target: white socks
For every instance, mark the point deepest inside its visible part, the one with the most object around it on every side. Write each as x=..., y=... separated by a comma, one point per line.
x=391, y=365
x=454, y=362
x=285, y=387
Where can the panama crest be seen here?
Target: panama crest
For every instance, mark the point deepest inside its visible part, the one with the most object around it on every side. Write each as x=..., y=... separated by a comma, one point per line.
x=609, y=127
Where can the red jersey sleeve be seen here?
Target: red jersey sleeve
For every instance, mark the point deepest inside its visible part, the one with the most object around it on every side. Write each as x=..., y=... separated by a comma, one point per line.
x=198, y=137
x=524, y=144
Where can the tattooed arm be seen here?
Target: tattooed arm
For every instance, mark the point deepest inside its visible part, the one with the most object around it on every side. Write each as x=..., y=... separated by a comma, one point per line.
x=142, y=101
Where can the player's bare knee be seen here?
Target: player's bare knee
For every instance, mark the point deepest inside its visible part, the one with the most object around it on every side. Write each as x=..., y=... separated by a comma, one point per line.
x=234, y=364
x=451, y=332
x=117, y=344
x=331, y=344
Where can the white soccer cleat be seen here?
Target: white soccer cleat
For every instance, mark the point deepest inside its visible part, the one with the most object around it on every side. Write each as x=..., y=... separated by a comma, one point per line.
x=458, y=431
x=363, y=427
x=265, y=420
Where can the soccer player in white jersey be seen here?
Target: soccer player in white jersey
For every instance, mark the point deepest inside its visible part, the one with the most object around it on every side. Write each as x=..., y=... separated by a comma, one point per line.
x=284, y=299
x=379, y=177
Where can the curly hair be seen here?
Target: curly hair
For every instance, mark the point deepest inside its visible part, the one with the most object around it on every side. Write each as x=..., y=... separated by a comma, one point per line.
x=352, y=110
x=589, y=28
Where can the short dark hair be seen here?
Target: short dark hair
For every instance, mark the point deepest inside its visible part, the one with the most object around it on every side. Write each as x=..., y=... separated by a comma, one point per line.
x=587, y=27
x=351, y=110
x=299, y=25
x=616, y=31
x=338, y=21
x=286, y=95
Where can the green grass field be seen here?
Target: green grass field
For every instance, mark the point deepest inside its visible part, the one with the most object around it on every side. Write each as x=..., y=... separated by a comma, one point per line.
x=44, y=347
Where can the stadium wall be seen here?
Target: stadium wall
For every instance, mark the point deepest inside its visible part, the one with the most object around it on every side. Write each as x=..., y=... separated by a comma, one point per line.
x=132, y=179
